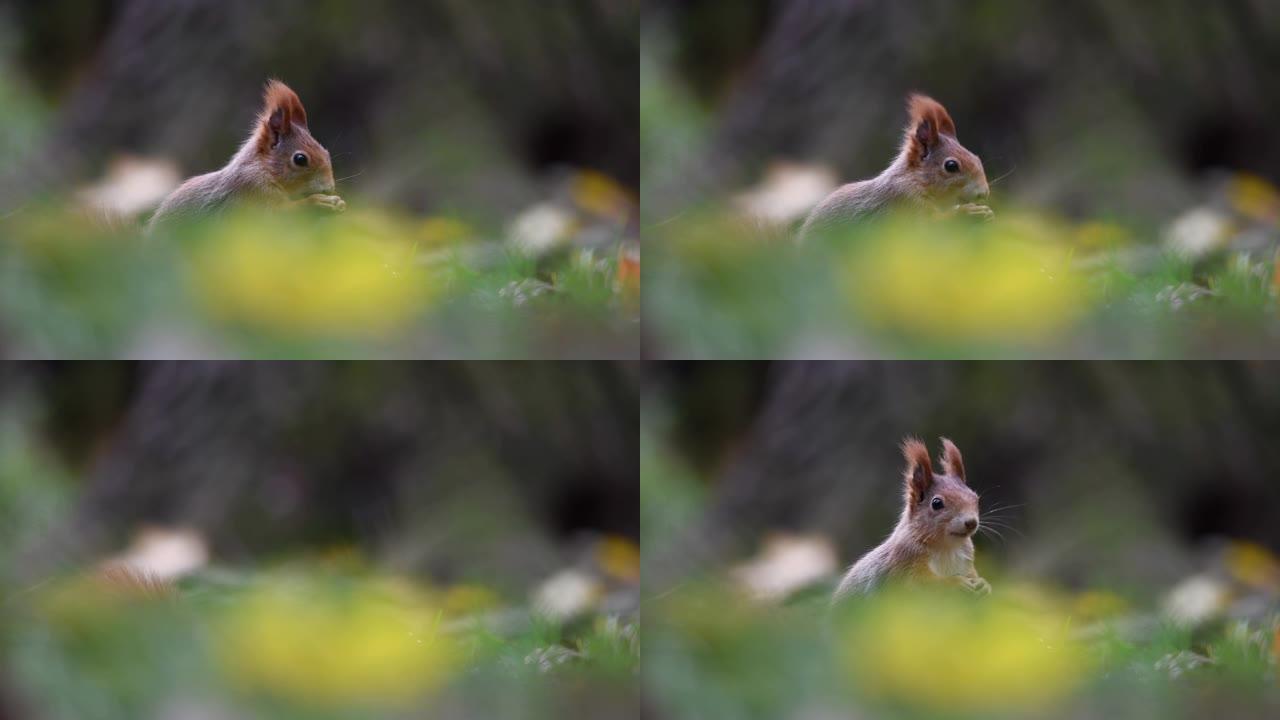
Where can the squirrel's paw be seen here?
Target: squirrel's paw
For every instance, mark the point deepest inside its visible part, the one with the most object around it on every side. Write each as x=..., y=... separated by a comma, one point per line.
x=981, y=212
x=977, y=585
x=328, y=202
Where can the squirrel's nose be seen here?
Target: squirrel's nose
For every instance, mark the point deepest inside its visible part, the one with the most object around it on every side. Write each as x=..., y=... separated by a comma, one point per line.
x=971, y=524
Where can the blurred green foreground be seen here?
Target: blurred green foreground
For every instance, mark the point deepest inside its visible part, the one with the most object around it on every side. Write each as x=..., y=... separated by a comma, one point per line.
x=759, y=639
x=370, y=283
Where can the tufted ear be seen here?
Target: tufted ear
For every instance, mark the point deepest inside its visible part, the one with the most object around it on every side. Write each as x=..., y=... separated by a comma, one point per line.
x=281, y=110
x=952, y=463
x=918, y=473
x=928, y=120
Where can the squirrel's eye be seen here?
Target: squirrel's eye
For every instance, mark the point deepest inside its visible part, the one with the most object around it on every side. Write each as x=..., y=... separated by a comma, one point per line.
x=937, y=503
x=300, y=159
x=951, y=166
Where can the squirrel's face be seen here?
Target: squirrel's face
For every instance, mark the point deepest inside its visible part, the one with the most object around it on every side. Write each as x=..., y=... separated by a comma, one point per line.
x=302, y=165
x=954, y=173
x=298, y=163
x=941, y=508
x=945, y=169
x=949, y=510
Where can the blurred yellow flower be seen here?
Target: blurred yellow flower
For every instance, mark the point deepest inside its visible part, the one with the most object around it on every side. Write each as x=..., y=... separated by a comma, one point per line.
x=1101, y=236
x=600, y=194
x=1254, y=197
x=295, y=279
x=344, y=558
x=1253, y=565
x=939, y=653
x=619, y=558
x=322, y=645
x=985, y=284
x=461, y=600
x=443, y=231
x=1097, y=605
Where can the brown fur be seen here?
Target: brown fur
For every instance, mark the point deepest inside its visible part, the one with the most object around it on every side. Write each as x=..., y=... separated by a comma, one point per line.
x=928, y=120
x=919, y=472
x=927, y=545
x=263, y=170
x=917, y=178
x=133, y=582
x=952, y=463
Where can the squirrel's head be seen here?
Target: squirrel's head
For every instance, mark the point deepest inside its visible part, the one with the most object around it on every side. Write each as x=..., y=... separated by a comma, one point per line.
x=298, y=163
x=947, y=170
x=940, y=507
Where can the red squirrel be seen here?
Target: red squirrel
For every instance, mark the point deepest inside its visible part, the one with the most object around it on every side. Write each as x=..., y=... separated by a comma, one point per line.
x=933, y=541
x=280, y=164
x=932, y=171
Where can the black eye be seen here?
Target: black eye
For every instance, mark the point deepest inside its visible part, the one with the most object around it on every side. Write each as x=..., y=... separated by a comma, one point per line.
x=951, y=166
x=300, y=159
x=937, y=503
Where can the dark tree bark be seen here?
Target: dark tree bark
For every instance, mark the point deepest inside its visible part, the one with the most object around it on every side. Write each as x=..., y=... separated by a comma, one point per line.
x=264, y=457
x=554, y=84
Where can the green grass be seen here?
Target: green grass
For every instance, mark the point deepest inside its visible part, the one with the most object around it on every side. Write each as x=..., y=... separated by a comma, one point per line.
x=299, y=644
x=315, y=636
x=712, y=652
x=1025, y=285
x=372, y=283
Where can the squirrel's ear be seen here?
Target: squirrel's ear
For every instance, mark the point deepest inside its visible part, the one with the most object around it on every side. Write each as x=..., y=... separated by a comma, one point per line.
x=952, y=463
x=276, y=126
x=919, y=472
x=928, y=119
x=281, y=110
x=925, y=139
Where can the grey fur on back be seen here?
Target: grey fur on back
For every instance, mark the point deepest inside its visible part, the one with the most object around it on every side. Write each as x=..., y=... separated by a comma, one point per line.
x=865, y=575
x=860, y=200
x=213, y=191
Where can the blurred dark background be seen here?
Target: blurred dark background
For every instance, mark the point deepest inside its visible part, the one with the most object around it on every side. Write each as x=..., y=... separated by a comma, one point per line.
x=435, y=106
x=1114, y=474
x=1096, y=107
x=496, y=473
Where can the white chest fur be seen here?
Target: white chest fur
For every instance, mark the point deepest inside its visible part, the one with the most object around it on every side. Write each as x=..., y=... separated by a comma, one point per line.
x=956, y=560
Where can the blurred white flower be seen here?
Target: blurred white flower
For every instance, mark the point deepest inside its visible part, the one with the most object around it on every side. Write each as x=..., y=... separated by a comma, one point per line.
x=788, y=192
x=541, y=228
x=132, y=186
x=164, y=553
x=1196, y=599
x=566, y=594
x=786, y=564
x=1197, y=232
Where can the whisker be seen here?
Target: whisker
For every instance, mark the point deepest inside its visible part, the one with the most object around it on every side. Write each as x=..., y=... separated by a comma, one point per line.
x=993, y=182
x=13, y=212
x=995, y=517
x=992, y=533
x=1005, y=528
x=992, y=517
x=348, y=177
